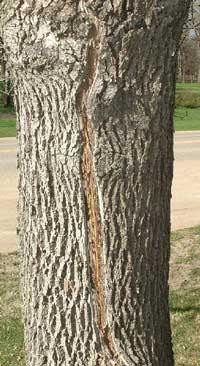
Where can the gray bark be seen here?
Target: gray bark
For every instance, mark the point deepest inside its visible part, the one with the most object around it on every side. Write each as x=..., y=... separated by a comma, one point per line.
x=94, y=93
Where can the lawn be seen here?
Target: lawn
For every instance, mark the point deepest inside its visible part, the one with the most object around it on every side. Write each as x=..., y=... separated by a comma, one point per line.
x=188, y=87
x=11, y=329
x=185, y=296
x=7, y=122
x=187, y=119
x=184, y=302
x=7, y=127
x=187, y=113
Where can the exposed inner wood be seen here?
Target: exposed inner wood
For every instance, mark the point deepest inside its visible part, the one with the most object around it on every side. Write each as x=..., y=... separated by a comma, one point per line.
x=90, y=192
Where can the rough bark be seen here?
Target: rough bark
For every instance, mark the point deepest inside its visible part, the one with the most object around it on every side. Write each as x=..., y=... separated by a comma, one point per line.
x=94, y=93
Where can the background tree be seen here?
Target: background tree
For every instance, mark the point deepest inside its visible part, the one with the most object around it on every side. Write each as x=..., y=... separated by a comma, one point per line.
x=189, y=51
x=94, y=94
x=5, y=82
x=189, y=59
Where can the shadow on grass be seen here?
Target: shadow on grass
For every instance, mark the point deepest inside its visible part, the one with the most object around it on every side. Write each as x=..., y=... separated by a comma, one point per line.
x=185, y=309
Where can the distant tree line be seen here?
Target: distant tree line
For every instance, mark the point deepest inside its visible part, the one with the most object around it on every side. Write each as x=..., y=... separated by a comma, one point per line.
x=189, y=52
x=189, y=59
x=6, y=97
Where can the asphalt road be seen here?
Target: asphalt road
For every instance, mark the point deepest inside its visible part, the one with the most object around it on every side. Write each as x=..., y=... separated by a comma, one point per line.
x=186, y=182
x=185, y=190
x=8, y=194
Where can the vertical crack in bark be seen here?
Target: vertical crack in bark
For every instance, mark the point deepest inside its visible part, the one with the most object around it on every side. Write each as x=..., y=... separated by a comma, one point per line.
x=90, y=192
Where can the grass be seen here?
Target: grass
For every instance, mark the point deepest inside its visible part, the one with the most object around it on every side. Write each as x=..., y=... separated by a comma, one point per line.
x=7, y=122
x=11, y=328
x=187, y=113
x=188, y=87
x=187, y=119
x=184, y=302
x=11, y=342
x=188, y=95
x=7, y=128
x=185, y=296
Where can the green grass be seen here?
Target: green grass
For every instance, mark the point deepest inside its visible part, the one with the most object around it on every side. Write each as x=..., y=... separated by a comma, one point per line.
x=7, y=120
x=187, y=119
x=176, y=235
x=185, y=296
x=185, y=316
x=11, y=328
x=188, y=95
x=191, y=87
x=187, y=113
x=11, y=342
x=7, y=128
x=186, y=322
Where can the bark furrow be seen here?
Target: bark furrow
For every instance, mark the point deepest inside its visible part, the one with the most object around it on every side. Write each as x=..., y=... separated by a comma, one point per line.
x=92, y=212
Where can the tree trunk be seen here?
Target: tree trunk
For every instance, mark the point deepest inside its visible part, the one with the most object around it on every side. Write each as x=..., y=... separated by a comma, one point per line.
x=94, y=93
